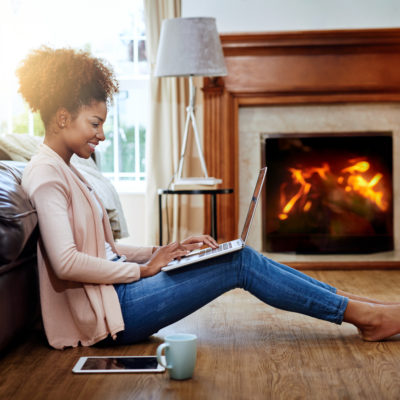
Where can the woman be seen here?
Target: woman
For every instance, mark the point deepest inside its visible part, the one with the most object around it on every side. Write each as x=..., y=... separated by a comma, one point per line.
x=95, y=290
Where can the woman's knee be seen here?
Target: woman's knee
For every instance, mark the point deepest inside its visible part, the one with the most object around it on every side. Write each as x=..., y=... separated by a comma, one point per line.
x=250, y=265
x=248, y=254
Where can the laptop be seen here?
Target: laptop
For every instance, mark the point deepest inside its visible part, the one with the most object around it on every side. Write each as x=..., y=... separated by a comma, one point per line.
x=227, y=247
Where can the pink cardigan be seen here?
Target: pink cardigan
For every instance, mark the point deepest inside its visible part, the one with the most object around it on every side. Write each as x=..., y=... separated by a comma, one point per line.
x=78, y=300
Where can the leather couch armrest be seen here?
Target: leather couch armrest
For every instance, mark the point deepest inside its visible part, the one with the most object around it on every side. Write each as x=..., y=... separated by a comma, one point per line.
x=18, y=218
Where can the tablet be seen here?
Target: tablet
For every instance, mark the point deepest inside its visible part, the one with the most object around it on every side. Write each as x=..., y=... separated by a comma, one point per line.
x=115, y=364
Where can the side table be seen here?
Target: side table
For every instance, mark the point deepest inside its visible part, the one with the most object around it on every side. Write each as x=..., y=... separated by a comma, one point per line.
x=213, y=203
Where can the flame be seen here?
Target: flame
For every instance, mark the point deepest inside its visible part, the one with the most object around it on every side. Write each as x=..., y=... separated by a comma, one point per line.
x=366, y=189
x=361, y=166
x=352, y=180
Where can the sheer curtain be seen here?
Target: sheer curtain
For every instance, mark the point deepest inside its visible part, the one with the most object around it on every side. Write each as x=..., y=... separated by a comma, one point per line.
x=168, y=100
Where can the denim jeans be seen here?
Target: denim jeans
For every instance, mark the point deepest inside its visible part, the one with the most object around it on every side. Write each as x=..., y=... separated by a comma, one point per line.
x=155, y=302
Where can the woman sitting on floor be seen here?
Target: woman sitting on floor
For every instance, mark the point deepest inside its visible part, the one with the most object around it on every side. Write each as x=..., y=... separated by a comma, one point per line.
x=95, y=290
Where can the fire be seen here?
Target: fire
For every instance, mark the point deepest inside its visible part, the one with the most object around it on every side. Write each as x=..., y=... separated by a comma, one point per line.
x=351, y=180
x=361, y=166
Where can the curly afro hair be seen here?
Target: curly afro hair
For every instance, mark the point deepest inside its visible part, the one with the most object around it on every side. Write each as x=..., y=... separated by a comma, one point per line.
x=54, y=78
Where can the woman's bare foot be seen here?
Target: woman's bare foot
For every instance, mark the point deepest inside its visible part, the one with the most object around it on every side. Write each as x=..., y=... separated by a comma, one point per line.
x=375, y=322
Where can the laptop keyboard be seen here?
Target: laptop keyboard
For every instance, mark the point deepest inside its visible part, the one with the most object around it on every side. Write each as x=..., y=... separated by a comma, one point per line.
x=223, y=246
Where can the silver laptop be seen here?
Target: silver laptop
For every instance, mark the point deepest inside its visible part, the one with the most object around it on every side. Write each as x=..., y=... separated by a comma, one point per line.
x=227, y=247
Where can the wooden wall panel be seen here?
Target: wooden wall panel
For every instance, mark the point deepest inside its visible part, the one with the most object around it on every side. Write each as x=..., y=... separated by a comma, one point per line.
x=346, y=66
x=321, y=74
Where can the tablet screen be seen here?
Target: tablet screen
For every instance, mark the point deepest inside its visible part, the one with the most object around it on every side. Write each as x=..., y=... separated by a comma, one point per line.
x=120, y=363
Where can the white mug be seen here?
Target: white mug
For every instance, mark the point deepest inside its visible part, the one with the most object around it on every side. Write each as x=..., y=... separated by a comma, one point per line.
x=180, y=355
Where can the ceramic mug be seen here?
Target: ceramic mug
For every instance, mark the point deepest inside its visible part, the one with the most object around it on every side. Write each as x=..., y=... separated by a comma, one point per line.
x=180, y=355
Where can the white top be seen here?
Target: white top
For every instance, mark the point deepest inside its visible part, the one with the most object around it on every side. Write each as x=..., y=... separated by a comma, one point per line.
x=109, y=253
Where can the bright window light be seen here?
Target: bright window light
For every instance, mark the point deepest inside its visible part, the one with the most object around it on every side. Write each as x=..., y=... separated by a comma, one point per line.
x=112, y=31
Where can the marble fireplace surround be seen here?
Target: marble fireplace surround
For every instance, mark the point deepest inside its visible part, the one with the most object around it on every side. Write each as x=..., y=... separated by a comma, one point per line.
x=317, y=81
x=256, y=121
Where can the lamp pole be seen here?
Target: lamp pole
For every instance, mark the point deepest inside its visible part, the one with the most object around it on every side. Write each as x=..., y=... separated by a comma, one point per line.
x=190, y=117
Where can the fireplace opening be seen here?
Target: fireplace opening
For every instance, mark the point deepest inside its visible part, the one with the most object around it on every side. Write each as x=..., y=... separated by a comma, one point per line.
x=328, y=193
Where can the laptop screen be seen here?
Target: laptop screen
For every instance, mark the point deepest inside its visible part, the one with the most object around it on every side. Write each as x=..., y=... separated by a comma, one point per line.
x=253, y=203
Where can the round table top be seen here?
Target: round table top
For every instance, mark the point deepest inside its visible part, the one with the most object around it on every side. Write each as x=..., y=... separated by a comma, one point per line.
x=195, y=191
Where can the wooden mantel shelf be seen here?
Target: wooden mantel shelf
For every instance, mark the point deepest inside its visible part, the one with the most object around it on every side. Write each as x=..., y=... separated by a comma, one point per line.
x=381, y=260
x=293, y=68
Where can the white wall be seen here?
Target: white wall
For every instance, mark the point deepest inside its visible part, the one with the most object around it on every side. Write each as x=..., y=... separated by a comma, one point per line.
x=292, y=15
x=133, y=205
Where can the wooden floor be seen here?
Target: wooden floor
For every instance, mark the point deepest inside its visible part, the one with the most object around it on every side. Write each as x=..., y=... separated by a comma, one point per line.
x=246, y=350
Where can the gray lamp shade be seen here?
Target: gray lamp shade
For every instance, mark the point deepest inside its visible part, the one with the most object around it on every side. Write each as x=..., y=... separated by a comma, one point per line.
x=190, y=46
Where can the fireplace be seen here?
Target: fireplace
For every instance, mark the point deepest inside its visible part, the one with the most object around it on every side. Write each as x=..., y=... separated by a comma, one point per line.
x=328, y=193
x=293, y=82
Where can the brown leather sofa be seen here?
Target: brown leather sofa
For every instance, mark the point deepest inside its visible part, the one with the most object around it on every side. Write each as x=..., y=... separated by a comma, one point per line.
x=19, y=300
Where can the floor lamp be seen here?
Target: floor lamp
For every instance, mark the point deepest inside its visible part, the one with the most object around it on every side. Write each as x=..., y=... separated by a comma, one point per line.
x=190, y=47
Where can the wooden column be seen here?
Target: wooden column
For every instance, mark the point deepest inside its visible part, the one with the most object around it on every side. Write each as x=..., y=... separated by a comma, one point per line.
x=221, y=154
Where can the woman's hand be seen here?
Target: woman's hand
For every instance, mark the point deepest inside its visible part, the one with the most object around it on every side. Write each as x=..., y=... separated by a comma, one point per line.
x=194, y=242
x=165, y=254
x=161, y=257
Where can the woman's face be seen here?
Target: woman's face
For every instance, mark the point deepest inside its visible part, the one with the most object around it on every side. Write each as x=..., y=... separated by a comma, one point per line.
x=83, y=133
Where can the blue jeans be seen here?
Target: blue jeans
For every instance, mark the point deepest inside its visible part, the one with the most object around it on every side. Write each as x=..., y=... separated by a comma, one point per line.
x=155, y=302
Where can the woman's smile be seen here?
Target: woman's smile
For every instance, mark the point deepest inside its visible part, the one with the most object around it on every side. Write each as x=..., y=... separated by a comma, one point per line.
x=92, y=146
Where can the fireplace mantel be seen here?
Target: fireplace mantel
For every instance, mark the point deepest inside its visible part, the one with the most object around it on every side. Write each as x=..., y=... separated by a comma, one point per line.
x=291, y=68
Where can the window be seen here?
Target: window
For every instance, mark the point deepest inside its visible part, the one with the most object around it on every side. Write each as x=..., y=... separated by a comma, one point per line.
x=112, y=31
